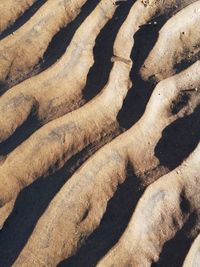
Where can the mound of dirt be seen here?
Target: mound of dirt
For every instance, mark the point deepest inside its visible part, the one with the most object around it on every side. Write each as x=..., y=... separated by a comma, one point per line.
x=99, y=133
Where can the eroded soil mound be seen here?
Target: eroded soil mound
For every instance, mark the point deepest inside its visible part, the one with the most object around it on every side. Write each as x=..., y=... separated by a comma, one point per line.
x=99, y=133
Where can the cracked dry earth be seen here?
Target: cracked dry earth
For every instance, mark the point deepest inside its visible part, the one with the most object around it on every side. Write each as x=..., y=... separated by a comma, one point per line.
x=99, y=133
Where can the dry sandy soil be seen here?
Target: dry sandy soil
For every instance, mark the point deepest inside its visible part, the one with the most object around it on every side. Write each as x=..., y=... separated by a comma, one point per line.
x=99, y=133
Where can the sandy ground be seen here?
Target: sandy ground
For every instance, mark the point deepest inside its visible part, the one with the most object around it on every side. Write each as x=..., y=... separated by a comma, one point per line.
x=177, y=142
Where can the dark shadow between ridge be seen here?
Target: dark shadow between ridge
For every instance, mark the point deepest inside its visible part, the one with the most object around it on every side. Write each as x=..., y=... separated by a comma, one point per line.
x=23, y=18
x=115, y=220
